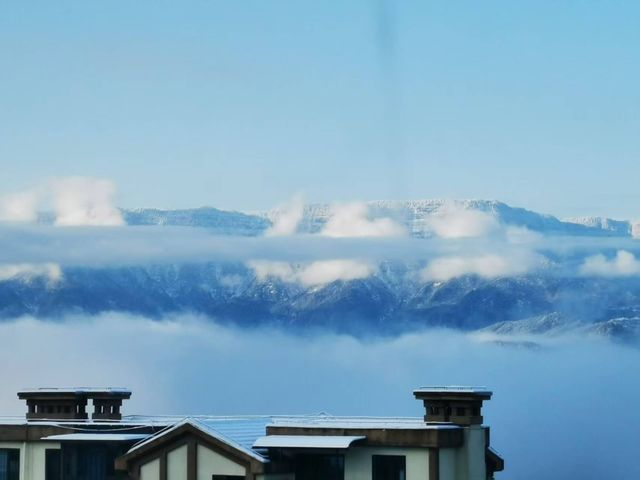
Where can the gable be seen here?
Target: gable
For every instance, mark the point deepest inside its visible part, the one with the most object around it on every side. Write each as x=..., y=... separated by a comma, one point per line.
x=188, y=453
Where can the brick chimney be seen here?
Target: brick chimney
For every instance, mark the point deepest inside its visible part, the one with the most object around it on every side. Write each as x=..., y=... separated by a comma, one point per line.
x=71, y=403
x=453, y=404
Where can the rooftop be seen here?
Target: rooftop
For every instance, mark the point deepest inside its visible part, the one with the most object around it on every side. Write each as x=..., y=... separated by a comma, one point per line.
x=241, y=431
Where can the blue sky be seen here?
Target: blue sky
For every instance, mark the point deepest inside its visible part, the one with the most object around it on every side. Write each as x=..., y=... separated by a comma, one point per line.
x=243, y=104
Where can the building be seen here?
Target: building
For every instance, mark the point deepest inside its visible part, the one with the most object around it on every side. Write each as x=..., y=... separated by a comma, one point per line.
x=57, y=440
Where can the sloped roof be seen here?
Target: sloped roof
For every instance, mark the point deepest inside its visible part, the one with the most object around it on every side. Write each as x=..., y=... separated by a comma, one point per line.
x=237, y=432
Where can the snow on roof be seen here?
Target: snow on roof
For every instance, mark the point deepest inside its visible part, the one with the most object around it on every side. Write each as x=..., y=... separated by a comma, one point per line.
x=98, y=437
x=244, y=429
x=242, y=432
x=238, y=432
x=452, y=389
x=306, y=441
x=76, y=390
x=364, y=423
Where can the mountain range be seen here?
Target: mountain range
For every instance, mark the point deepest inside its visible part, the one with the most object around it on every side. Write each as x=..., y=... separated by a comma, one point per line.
x=414, y=215
x=389, y=302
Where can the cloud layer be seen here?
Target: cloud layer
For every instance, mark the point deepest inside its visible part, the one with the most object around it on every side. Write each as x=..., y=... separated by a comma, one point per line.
x=177, y=367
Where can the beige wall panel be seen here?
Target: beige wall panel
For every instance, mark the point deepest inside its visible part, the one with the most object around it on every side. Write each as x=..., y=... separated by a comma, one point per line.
x=177, y=464
x=150, y=470
x=212, y=463
x=357, y=462
x=32, y=458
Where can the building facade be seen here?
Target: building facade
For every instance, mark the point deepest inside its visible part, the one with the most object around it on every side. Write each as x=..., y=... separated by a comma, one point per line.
x=57, y=440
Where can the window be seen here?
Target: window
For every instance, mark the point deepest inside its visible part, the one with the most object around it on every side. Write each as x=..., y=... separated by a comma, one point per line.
x=53, y=464
x=319, y=467
x=435, y=411
x=389, y=467
x=460, y=411
x=9, y=464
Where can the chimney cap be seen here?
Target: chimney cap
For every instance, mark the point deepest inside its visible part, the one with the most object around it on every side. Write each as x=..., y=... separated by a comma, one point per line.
x=453, y=390
x=91, y=392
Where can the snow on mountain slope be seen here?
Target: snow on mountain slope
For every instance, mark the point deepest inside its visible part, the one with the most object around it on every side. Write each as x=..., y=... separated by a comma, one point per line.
x=618, y=227
x=387, y=303
x=417, y=217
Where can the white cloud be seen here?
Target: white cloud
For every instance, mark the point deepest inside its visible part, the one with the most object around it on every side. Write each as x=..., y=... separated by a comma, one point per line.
x=74, y=201
x=19, y=207
x=352, y=220
x=265, y=269
x=287, y=218
x=317, y=273
x=625, y=264
x=486, y=265
x=327, y=271
x=85, y=201
x=27, y=271
x=454, y=222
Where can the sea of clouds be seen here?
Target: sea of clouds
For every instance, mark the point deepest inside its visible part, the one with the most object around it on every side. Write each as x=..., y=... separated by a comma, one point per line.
x=564, y=411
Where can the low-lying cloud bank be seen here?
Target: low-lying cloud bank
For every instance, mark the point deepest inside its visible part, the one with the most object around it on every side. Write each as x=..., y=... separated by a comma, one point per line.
x=314, y=259
x=548, y=403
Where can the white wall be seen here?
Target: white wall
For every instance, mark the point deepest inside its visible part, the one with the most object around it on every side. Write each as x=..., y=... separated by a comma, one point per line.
x=357, y=462
x=150, y=470
x=210, y=463
x=32, y=458
x=177, y=463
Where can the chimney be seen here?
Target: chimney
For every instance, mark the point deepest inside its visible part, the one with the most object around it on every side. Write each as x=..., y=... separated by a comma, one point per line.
x=71, y=403
x=453, y=404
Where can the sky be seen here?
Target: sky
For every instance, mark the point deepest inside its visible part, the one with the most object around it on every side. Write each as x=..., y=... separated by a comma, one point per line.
x=244, y=104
